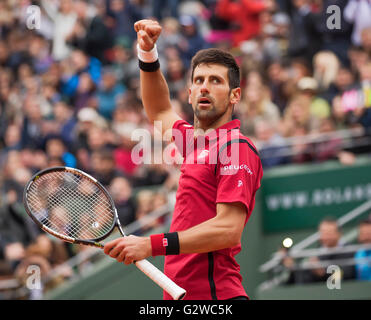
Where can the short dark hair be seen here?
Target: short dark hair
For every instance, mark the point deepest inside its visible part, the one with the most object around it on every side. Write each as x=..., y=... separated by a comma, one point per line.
x=330, y=220
x=218, y=56
x=365, y=222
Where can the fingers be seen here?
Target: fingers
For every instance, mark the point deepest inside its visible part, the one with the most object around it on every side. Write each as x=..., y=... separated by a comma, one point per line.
x=129, y=249
x=152, y=27
x=148, y=32
x=110, y=245
x=118, y=249
x=144, y=40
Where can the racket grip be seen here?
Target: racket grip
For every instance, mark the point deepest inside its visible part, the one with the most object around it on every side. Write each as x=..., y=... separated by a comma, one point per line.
x=161, y=279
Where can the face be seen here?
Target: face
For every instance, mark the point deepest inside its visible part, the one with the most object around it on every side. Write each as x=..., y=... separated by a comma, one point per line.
x=210, y=94
x=364, y=235
x=344, y=78
x=54, y=148
x=329, y=234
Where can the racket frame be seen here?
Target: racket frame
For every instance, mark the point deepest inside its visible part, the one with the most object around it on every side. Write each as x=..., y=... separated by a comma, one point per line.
x=90, y=242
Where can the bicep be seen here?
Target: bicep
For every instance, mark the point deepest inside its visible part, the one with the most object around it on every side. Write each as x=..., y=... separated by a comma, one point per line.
x=233, y=216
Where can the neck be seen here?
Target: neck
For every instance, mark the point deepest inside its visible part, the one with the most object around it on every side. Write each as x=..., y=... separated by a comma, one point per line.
x=207, y=125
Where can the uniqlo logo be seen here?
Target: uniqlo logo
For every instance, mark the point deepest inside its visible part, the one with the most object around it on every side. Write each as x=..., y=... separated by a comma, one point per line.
x=164, y=242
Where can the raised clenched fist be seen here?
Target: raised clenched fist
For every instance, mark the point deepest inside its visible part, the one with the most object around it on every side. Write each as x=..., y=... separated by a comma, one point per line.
x=148, y=32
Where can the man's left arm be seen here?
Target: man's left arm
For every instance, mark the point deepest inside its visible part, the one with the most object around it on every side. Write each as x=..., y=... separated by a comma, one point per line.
x=222, y=231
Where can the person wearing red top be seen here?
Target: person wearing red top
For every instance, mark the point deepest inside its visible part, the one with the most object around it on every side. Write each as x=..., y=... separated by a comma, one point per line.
x=245, y=13
x=220, y=175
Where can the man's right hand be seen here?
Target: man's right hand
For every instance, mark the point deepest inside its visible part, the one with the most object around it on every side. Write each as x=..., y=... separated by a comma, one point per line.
x=148, y=32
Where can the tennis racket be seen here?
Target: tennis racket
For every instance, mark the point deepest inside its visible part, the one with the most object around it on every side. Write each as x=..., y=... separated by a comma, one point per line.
x=73, y=206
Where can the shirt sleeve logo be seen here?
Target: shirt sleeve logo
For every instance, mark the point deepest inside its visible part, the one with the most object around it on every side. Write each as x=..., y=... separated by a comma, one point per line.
x=233, y=169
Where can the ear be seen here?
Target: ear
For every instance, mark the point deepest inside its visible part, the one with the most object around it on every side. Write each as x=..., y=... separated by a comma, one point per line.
x=189, y=96
x=235, y=95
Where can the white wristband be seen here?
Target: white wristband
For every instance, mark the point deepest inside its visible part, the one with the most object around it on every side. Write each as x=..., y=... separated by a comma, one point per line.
x=147, y=56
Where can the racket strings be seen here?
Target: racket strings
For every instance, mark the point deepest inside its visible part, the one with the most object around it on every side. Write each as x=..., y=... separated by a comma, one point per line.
x=71, y=205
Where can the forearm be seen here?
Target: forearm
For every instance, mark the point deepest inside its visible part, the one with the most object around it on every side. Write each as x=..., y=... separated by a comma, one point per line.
x=155, y=93
x=208, y=236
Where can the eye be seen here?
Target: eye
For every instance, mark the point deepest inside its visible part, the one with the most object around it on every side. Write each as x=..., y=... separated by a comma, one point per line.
x=215, y=80
x=198, y=80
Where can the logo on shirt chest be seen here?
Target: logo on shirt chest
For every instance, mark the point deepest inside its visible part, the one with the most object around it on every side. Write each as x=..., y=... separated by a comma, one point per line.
x=203, y=154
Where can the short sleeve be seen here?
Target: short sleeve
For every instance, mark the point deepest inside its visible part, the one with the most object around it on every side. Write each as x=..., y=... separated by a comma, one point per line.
x=238, y=174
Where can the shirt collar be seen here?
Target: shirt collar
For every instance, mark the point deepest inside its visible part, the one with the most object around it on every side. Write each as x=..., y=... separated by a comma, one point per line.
x=233, y=124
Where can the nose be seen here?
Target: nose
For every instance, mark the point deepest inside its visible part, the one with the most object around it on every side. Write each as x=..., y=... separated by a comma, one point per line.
x=204, y=88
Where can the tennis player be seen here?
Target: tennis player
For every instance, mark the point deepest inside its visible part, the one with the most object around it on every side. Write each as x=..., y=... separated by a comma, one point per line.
x=219, y=176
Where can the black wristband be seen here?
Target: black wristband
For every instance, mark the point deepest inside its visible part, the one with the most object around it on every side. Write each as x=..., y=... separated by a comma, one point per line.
x=172, y=243
x=149, y=66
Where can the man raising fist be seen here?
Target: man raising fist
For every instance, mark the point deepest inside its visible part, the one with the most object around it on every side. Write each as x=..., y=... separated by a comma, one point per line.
x=220, y=175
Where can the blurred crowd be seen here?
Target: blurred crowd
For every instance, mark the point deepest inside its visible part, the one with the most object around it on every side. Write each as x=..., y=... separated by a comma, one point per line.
x=69, y=93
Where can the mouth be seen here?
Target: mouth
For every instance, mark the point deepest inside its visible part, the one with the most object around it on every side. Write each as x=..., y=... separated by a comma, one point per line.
x=204, y=102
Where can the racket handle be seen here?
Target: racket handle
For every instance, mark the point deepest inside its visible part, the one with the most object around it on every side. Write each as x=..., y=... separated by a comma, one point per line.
x=161, y=279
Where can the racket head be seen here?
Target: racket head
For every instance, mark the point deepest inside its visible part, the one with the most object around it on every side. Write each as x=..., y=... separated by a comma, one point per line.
x=71, y=205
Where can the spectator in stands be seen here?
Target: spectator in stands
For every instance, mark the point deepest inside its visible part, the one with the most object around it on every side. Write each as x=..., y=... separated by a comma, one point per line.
x=80, y=63
x=318, y=107
x=301, y=41
x=123, y=153
x=357, y=58
x=272, y=147
x=64, y=18
x=85, y=91
x=331, y=146
x=175, y=75
x=339, y=114
x=302, y=150
x=245, y=14
x=39, y=54
x=366, y=39
x=145, y=205
x=90, y=34
x=277, y=78
x=103, y=167
x=12, y=141
x=363, y=265
x=297, y=115
x=32, y=128
x=343, y=81
x=108, y=93
x=191, y=40
x=255, y=106
x=362, y=113
x=16, y=228
x=65, y=122
x=125, y=13
x=56, y=148
x=160, y=7
x=358, y=13
x=326, y=66
x=220, y=29
x=329, y=238
x=121, y=192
